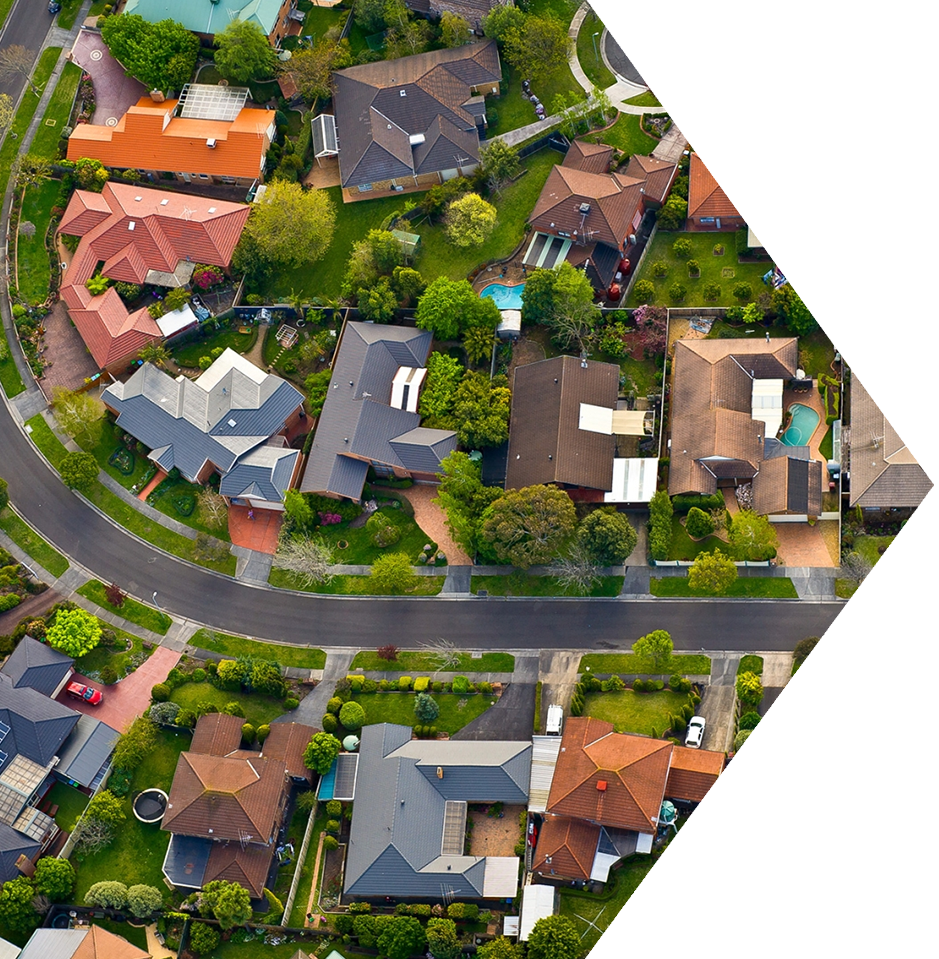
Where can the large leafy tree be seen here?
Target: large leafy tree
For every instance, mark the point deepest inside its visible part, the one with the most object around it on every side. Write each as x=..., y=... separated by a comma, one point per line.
x=528, y=527
x=442, y=939
x=656, y=647
x=454, y=29
x=463, y=498
x=563, y=299
x=481, y=408
x=500, y=161
x=436, y=403
x=16, y=905
x=312, y=67
x=244, y=52
x=401, y=937
x=554, y=937
x=393, y=574
x=378, y=254
x=470, y=220
x=160, y=55
x=501, y=20
x=77, y=413
x=607, y=536
x=537, y=46
x=78, y=470
x=320, y=752
x=228, y=902
x=793, y=312
x=712, y=573
x=752, y=536
x=449, y=307
x=74, y=633
x=501, y=948
x=54, y=878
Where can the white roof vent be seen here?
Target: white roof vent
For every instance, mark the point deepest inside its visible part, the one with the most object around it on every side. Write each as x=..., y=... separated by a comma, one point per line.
x=164, y=202
x=212, y=209
x=131, y=225
x=137, y=199
x=232, y=423
x=210, y=143
x=415, y=138
x=404, y=93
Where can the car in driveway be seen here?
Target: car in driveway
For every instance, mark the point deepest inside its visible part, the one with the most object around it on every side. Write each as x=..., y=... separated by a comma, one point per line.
x=695, y=733
x=87, y=694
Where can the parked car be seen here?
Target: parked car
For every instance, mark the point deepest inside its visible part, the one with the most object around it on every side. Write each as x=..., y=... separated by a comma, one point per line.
x=87, y=694
x=54, y=6
x=695, y=733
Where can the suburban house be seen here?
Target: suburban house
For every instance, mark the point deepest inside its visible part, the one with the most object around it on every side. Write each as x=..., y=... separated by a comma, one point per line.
x=140, y=236
x=208, y=135
x=590, y=216
x=227, y=804
x=883, y=474
x=727, y=408
x=276, y=18
x=234, y=420
x=80, y=942
x=605, y=794
x=733, y=188
x=472, y=11
x=409, y=824
x=370, y=415
x=41, y=741
x=567, y=428
x=416, y=121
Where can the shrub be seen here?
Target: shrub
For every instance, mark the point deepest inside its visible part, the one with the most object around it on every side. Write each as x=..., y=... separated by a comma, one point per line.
x=520, y=848
x=613, y=685
x=352, y=716
x=749, y=689
x=334, y=808
x=330, y=842
x=743, y=292
x=682, y=248
x=421, y=684
x=677, y=291
x=461, y=685
x=334, y=705
x=329, y=723
x=332, y=826
x=698, y=524
x=485, y=688
x=369, y=686
x=198, y=675
x=262, y=733
x=203, y=938
x=248, y=733
x=657, y=685
x=143, y=901
x=678, y=724
x=645, y=291
x=164, y=712
x=108, y=675
x=359, y=907
x=659, y=269
x=388, y=652
x=638, y=685
x=342, y=923
x=109, y=894
x=749, y=720
x=404, y=683
x=291, y=702
x=694, y=268
x=711, y=291
x=426, y=707
x=660, y=525
x=186, y=717
x=383, y=532
x=384, y=685
x=160, y=693
x=741, y=738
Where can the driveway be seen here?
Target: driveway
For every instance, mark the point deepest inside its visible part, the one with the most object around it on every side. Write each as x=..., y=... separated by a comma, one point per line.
x=559, y=672
x=511, y=719
x=125, y=701
x=717, y=708
x=114, y=90
x=69, y=364
x=431, y=519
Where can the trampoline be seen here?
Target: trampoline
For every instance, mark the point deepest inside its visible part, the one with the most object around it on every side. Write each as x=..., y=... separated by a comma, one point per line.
x=150, y=805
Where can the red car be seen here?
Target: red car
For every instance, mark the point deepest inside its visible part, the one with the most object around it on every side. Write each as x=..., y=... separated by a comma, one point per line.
x=624, y=267
x=87, y=694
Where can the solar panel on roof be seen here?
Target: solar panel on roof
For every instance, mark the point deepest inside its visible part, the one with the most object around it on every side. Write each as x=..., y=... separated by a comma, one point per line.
x=347, y=766
x=3, y=757
x=205, y=101
x=4, y=729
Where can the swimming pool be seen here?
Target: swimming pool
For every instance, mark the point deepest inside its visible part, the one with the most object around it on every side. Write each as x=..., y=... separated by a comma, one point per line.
x=801, y=426
x=506, y=297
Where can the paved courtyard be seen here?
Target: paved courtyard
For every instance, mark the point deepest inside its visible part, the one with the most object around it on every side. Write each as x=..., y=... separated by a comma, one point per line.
x=114, y=90
x=259, y=533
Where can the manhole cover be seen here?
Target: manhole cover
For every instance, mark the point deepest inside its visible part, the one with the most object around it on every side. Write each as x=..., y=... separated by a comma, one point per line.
x=111, y=122
x=96, y=54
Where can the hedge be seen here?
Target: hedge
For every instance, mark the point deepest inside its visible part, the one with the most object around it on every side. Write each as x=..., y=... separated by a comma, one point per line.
x=660, y=525
x=684, y=501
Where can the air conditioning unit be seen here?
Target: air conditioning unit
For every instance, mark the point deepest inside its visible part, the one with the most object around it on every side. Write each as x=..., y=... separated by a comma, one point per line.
x=210, y=143
x=399, y=189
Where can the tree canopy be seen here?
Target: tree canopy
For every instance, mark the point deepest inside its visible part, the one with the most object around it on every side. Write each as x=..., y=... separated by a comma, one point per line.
x=74, y=632
x=401, y=937
x=463, y=498
x=536, y=46
x=312, y=67
x=607, y=536
x=655, y=646
x=160, y=55
x=470, y=220
x=481, y=407
x=752, y=536
x=528, y=527
x=563, y=299
x=79, y=470
x=712, y=573
x=500, y=161
x=244, y=52
x=392, y=574
x=436, y=402
x=554, y=937
x=228, y=902
x=449, y=307
x=320, y=752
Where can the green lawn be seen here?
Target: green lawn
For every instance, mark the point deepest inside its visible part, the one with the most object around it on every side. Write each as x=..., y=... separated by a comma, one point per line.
x=750, y=664
x=845, y=588
x=455, y=711
x=351, y=585
x=47, y=141
x=646, y=713
x=174, y=496
x=685, y=548
x=626, y=135
x=645, y=99
x=588, y=52
x=188, y=354
x=130, y=609
x=32, y=543
x=136, y=854
x=513, y=110
x=46, y=441
x=630, y=663
x=298, y=913
x=69, y=12
x=119, y=659
x=816, y=353
x=256, y=709
x=640, y=373
x=362, y=551
x=70, y=802
x=827, y=446
x=318, y=20
x=5, y=7
x=368, y=660
x=869, y=546
x=10, y=378
x=102, y=441
x=750, y=587
x=712, y=269
x=33, y=266
x=302, y=657
x=256, y=949
x=515, y=585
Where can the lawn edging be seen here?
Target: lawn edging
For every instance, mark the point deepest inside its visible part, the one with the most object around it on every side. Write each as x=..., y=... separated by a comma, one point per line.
x=42, y=551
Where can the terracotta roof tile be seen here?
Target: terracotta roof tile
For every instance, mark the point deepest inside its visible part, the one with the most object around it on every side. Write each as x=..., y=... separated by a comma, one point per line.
x=657, y=174
x=705, y=197
x=98, y=943
x=287, y=742
x=692, y=773
x=570, y=844
x=217, y=734
x=247, y=866
x=588, y=157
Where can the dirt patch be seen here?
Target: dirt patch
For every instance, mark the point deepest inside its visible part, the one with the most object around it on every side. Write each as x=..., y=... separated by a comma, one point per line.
x=495, y=835
x=525, y=351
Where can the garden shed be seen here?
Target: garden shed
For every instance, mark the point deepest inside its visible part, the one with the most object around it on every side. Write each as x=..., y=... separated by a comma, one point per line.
x=325, y=139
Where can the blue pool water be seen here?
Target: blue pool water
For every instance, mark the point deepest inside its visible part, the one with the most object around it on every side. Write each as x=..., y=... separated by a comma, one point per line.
x=506, y=297
x=801, y=427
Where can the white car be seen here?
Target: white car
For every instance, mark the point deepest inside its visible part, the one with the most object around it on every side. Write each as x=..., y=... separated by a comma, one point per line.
x=695, y=734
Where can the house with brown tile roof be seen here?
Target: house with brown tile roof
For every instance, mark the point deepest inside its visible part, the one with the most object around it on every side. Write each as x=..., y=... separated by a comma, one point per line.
x=692, y=773
x=227, y=804
x=727, y=409
x=90, y=942
x=414, y=121
x=883, y=473
x=739, y=187
x=473, y=11
x=140, y=236
x=207, y=135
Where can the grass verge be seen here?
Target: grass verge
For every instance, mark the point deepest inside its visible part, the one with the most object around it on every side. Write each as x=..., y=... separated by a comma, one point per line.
x=46, y=441
x=455, y=711
x=649, y=714
x=301, y=657
x=10, y=378
x=131, y=610
x=645, y=99
x=28, y=540
x=352, y=585
x=750, y=587
x=49, y=135
x=588, y=52
x=513, y=585
x=630, y=663
x=750, y=664
x=369, y=661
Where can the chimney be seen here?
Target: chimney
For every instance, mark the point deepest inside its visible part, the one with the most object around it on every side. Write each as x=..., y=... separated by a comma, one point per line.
x=157, y=96
x=601, y=785
x=440, y=772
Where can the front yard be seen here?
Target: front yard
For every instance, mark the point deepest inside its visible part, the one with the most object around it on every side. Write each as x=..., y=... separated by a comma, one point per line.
x=627, y=135
x=253, y=707
x=392, y=707
x=630, y=664
x=649, y=714
x=123, y=654
x=33, y=265
x=234, y=647
x=134, y=612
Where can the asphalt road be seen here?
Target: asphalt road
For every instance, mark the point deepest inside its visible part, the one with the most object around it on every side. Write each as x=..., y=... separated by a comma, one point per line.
x=27, y=26
x=620, y=63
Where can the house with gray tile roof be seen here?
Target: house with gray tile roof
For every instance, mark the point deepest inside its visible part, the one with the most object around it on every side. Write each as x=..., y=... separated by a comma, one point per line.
x=38, y=666
x=408, y=827
x=370, y=415
x=232, y=420
x=87, y=749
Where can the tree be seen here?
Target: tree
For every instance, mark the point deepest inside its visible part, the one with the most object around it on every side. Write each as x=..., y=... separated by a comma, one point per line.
x=554, y=937
x=749, y=689
x=352, y=715
x=203, y=939
x=426, y=708
x=17, y=61
x=607, y=536
x=297, y=509
x=317, y=388
x=528, y=527
x=79, y=470
x=54, y=878
x=388, y=652
x=501, y=20
x=161, y=55
x=562, y=299
x=698, y=524
x=28, y=168
x=228, y=902
x=143, y=900
x=213, y=510
x=712, y=574
x=93, y=836
x=454, y=29
x=651, y=327
x=501, y=948
x=481, y=408
x=74, y=633
x=378, y=302
x=401, y=937
x=136, y=744
x=105, y=808
x=244, y=52
x=289, y=227
x=109, y=894
x=478, y=341
x=792, y=311
x=407, y=283
x=437, y=397
x=16, y=905
x=463, y=498
x=370, y=14
x=374, y=256
x=392, y=574
x=855, y=566
x=407, y=39
x=312, y=67
x=155, y=352
x=499, y=161
x=752, y=536
x=602, y=104
x=77, y=413
x=656, y=647
x=673, y=214
x=448, y=307
x=537, y=46
x=442, y=939
x=576, y=571
x=115, y=595
x=309, y=559
x=321, y=752
x=470, y=220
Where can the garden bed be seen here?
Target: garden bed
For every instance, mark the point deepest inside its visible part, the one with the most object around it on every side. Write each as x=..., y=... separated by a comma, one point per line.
x=123, y=655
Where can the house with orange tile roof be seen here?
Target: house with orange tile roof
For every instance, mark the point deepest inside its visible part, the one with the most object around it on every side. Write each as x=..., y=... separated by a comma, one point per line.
x=140, y=236
x=733, y=188
x=208, y=135
x=606, y=795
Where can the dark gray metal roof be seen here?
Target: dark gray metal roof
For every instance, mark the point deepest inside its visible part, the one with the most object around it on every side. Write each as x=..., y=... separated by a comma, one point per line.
x=400, y=808
x=264, y=473
x=186, y=860
x=13, y=844
x=38, y=725
x=37, y=666
x=86, y=750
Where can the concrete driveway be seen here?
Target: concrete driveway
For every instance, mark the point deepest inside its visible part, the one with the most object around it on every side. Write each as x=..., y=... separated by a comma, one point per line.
x=511, y=719
x=717, y=708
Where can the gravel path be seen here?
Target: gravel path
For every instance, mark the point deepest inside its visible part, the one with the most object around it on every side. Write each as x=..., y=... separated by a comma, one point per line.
x=429, y=516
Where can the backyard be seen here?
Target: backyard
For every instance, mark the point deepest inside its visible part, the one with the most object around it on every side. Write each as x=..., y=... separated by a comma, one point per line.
x=189, y=353
x=649, y=714
x=233, y=647
x=71, y=803
x=455, y=711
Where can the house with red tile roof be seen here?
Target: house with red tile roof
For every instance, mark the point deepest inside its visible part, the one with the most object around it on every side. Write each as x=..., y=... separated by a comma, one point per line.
x=140, y=236
x=708, y=205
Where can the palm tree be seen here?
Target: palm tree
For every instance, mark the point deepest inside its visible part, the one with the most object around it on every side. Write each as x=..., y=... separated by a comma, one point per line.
x=156, y=353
